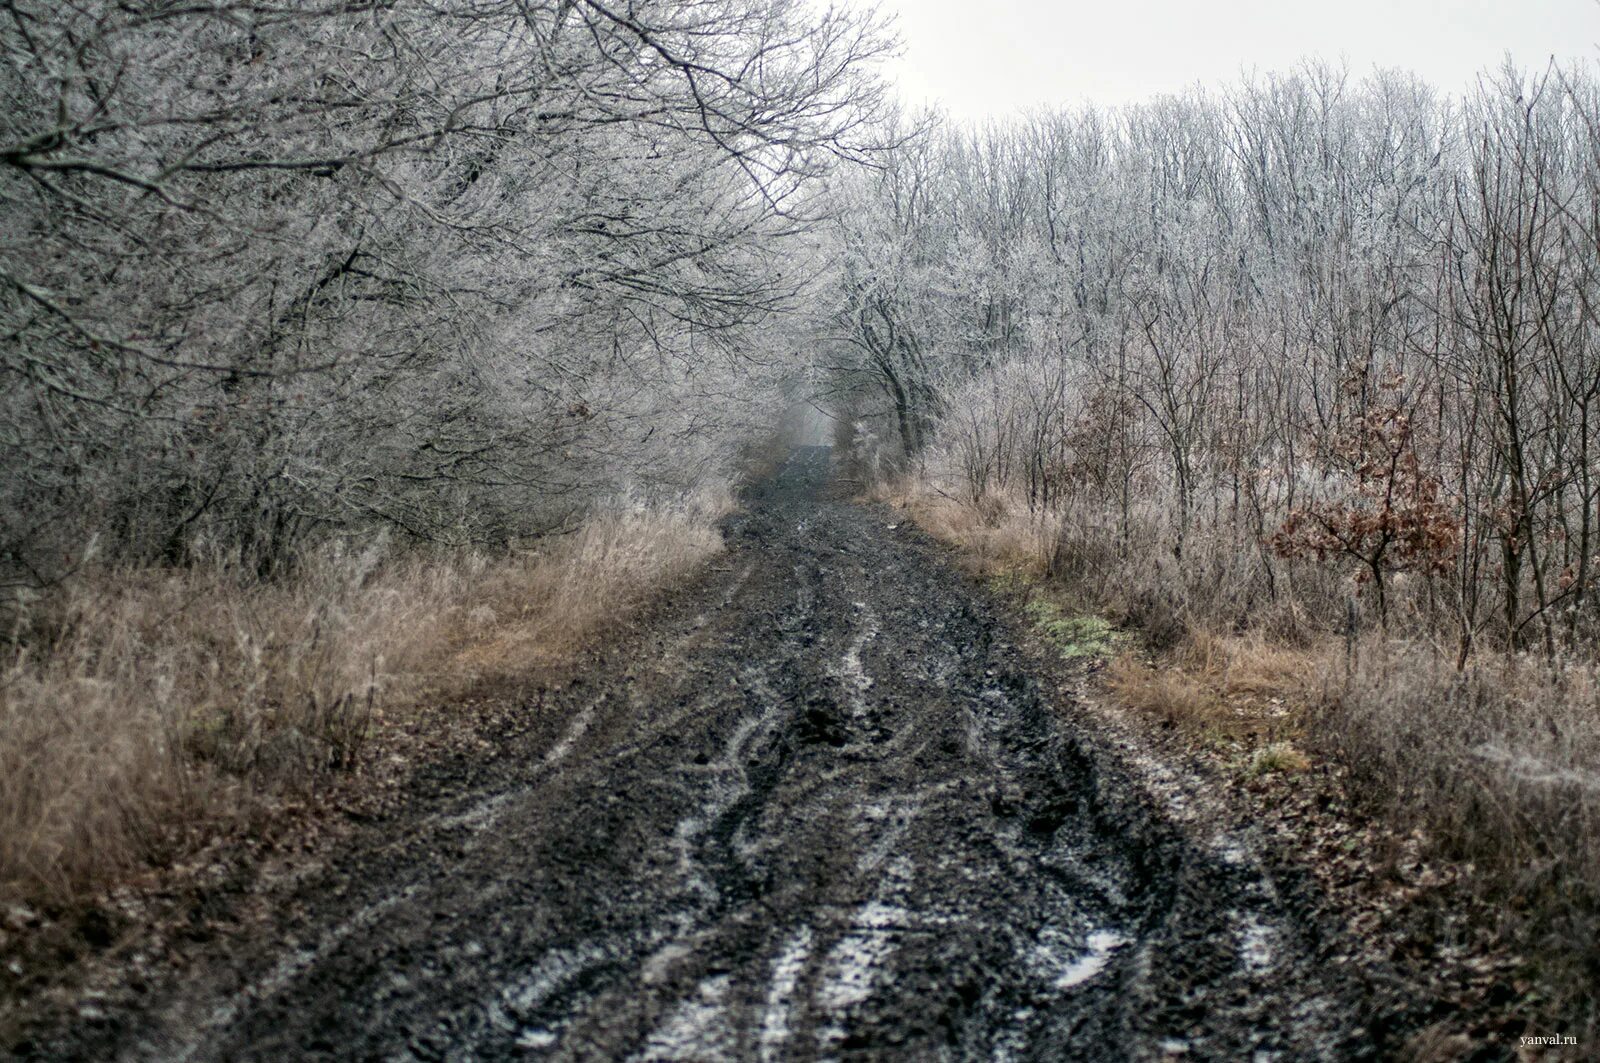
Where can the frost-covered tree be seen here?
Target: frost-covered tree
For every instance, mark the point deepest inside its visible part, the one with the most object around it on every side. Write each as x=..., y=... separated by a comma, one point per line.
x=1181, y=313
x=451, y=266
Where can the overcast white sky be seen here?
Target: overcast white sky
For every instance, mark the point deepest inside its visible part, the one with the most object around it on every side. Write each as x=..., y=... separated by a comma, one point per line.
x=993, y=58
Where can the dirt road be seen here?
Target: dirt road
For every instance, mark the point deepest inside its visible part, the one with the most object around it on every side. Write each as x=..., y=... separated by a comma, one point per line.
x=814, y=807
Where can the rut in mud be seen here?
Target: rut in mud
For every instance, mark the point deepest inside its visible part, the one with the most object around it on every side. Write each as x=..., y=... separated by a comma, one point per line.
x=816, y=807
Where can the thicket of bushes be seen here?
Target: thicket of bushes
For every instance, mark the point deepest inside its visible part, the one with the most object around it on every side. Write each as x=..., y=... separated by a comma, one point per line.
x=1306, y=317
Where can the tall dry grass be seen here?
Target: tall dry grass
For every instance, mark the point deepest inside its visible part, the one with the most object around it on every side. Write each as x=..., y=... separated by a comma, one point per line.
x=141, y=708
x=995, y=537
x=1499, y=763
x=1227, y=682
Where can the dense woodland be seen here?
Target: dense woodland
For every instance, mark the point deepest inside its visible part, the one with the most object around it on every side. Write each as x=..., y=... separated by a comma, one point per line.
x=1296, y=377
x=459, y=269
x=355, y=351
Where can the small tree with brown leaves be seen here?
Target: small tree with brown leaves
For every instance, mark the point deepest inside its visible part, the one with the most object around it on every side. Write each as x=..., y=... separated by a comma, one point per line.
x=1389, y=514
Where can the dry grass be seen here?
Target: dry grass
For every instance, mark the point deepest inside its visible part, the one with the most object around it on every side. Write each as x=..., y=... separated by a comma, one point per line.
x=538, y=608
x=1500, y=764
x=1205, y=677
x=1254, y=670
x=1166, y=693
x=1238, y=684
x=996, y=537
x=140, y=708
x=1130, y=574
x=1278, y=758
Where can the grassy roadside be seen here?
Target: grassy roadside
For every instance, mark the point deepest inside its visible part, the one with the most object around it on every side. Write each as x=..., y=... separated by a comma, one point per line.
x=149, y=716
x=1451, y=816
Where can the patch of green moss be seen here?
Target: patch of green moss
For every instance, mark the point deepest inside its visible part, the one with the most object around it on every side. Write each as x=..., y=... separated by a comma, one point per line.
x=1072, y=635
x=1010, y=582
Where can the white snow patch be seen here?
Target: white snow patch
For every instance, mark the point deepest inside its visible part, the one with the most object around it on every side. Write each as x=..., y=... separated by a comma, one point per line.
x=851, y=672
x=553, y=970
x=655, y=968
x=533, y=1038
x=786, y=972
x=856, y=961
x=1064, y=964
x=1256, y=943
x=1101, y=944
x=694, y=1030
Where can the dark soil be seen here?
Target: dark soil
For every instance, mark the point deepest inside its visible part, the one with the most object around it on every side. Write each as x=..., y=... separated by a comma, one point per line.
x=817, y=805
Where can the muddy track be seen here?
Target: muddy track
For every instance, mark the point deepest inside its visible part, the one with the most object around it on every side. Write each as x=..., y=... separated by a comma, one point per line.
x=816, y=807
